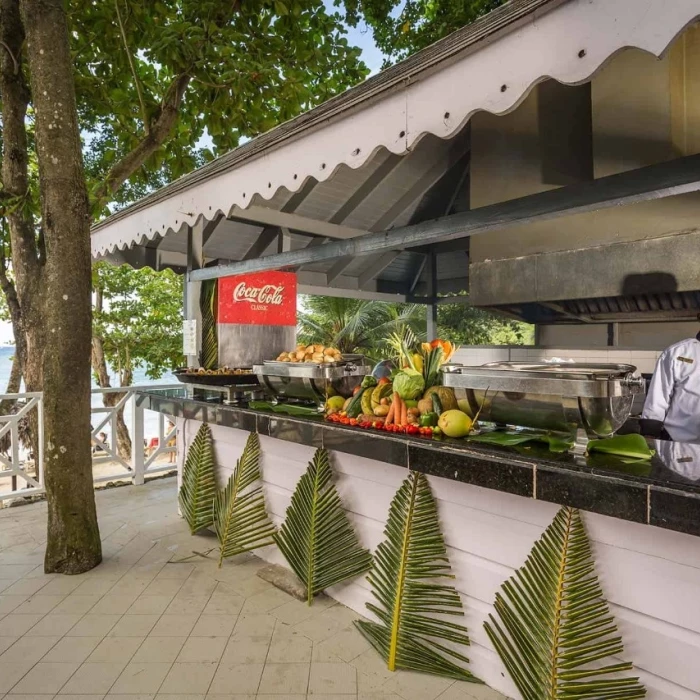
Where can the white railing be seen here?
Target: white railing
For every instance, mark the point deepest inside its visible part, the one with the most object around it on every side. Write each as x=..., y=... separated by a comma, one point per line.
x=23, y=475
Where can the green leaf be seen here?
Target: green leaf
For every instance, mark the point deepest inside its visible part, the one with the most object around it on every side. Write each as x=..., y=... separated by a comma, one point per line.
x=198, y=482
x=209, y=355
x=410, y=567
x=556, y=443
x=633, y=446
x=554, y=632
x=240, y=519
x=316, y=538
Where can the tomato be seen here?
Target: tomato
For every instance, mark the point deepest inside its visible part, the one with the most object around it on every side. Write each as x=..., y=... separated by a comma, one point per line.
x=413, y=430
x=353, y=421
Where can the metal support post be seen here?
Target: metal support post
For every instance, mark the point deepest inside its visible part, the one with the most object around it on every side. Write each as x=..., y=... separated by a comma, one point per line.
x=137, y=447
x=431, y=308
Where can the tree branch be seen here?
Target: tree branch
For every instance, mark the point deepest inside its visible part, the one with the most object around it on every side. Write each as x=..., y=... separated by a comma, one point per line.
x=149, y=144
x=12, y=56
x=137, y=82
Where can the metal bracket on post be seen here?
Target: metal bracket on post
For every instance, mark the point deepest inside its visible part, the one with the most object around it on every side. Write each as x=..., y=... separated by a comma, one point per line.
x=138, y=456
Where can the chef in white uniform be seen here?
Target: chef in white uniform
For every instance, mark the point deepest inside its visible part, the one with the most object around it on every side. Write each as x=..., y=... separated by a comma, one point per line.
x=672, y=405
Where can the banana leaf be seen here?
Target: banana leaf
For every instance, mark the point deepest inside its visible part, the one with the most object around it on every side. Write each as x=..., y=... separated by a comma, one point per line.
x=290, y=409
x=240, y=519
x=631, y=446
x=553, y=629
x=198, y=488
x=556, y=443
x=408, y=583
x=209, y=354
x=317, y=538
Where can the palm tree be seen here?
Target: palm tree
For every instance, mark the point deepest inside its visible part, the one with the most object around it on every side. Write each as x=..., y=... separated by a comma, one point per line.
x=355, y=325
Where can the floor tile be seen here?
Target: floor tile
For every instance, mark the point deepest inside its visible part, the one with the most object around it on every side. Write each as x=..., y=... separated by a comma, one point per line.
x=202, y=649
x=113, y=649
x=95, y=586
x=214, y=626
x=189, y=678
x=332, y=678
x=288, y=646
x=134, y=626
x=245, y=678
x=150, y=605
x=265, y=601
x=284, y=678
x=6, y=642
x=224, y=604
x=254, y=626
x=53, y=624
x=176, y=571
x=61, y=585
x=470, y=691
x=39, y=604
x=168, y=587
x=45, y=678
x=246, y=650
x=417, y=686
x=10, y=603
x=77, y=604
x=94, y=625
x=345, y=645
x=28, y=649
x=80, y=697
x=25, y=586
x=174, y=626
x=68, y=649
x=91, y=677
x=193, y=605
x=11, y=673
x=113, y=604
x=14, y=625
x=159, y=649
x=140, y=677
x=34, y=696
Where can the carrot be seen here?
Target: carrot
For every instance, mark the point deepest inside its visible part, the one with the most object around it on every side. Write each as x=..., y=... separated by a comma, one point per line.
x=390, y=416
x=404, y=413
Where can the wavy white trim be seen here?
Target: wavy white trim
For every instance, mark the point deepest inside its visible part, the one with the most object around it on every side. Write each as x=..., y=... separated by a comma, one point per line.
x=496, y=78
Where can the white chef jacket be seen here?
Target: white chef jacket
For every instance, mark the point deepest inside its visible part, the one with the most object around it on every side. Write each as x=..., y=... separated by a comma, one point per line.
x=680, y=457
x=674, y=392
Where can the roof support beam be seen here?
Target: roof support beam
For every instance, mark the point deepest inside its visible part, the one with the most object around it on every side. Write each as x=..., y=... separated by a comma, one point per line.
x=652, y=182
x=378, y=266
x=261, y=243
x=338, y=268
x=303, y=224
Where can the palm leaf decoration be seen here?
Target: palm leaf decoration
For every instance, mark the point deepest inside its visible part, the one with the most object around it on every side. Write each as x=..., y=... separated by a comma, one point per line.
x=555, y=628
x=209, y=354
x=240, y=519
x=317, y=538
x=403, y=578
x=198, y=482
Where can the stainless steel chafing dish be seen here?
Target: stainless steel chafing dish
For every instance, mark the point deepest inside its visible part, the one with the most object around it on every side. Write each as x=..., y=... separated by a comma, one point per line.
x=312, y=382
x=588, y=400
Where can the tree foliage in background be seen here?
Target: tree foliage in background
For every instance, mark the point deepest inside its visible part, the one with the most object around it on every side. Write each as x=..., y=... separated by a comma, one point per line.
x=355, y=325
x=402, y=27
x=136, y=84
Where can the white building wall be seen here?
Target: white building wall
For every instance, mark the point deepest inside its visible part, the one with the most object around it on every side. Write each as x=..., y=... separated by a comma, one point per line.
x=651, y=576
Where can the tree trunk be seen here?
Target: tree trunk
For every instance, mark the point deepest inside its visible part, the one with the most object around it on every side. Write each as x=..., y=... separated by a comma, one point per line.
x=59, y=322
x=99, y=366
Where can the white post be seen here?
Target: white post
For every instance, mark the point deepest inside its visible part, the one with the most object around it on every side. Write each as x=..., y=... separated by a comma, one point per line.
x=137, y=451
x=40, y=440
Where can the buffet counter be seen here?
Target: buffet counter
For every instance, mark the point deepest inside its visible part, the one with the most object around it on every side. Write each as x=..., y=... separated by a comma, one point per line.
x=494, y=502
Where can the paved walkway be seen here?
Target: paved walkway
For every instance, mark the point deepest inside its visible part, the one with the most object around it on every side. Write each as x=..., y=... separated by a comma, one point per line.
x=140, y=627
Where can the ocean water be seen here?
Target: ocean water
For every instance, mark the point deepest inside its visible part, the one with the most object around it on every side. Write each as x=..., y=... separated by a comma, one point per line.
x=140, y=378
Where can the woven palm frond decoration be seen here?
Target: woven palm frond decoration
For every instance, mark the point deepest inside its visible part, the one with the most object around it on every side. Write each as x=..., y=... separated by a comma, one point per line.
x=554, y=631
x=240, y=519
x=199, y=482
x=209, y=355
x=317, y=538
x=408, y=567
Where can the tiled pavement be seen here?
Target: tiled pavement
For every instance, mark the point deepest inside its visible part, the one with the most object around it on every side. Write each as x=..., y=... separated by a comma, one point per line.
x=140, y=628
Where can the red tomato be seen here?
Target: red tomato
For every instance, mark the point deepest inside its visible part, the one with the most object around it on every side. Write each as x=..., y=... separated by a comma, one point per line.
x=353, y=421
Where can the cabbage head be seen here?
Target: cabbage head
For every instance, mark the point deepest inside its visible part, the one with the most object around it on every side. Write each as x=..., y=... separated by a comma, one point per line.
x=409, y=384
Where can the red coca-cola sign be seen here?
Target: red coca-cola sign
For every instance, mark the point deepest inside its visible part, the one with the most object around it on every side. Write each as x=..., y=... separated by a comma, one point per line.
x=259, y=299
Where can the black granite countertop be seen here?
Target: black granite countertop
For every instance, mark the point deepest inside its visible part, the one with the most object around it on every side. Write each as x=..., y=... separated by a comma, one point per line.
x=664, y=492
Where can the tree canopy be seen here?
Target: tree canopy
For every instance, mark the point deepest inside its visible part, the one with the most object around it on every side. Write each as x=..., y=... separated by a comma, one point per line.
x=402, y=27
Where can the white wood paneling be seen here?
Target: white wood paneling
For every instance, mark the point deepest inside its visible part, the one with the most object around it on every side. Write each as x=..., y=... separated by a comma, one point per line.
x=651, y=576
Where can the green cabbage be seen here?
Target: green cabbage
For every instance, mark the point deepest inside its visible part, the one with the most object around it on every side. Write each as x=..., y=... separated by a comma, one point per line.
x=409, y=384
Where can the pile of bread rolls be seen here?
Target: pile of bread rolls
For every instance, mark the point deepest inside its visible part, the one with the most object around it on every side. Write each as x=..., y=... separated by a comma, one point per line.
x=311, y=353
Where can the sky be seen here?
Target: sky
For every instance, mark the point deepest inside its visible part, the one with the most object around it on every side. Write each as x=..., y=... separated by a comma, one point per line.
x=360, y=36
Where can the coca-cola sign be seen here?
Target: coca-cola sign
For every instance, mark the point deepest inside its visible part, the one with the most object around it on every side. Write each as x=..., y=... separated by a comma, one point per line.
x=260, y=299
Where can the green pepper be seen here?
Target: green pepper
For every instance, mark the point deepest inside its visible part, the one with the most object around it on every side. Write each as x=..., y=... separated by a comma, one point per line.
x=428, y=420
x=368, y=381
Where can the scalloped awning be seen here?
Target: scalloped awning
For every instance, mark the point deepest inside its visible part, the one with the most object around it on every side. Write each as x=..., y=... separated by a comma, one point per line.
x=490, y=65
